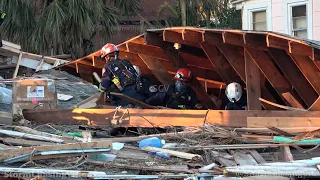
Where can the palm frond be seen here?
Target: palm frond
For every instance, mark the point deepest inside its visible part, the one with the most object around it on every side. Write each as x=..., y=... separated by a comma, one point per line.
x=167, y=6
x=128, y=7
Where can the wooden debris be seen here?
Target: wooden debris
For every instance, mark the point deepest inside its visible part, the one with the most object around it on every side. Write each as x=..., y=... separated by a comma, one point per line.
x=259, y=159
x=307, y=135
x=244, y=158
x=285, y=154
x=172, y=153
x=23, y=142
x=6, y=154
x=283, y=107
x=280, y=122
x=30, y=136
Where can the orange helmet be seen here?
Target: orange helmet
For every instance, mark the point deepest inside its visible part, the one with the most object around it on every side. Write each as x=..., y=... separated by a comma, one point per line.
x=108, y=49
x=183, y=74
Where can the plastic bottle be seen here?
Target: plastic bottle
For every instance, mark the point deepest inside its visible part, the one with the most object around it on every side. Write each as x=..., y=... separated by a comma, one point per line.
x=153, y=142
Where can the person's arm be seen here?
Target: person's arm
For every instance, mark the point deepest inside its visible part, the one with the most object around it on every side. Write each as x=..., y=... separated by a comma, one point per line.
x=194, y=102
x=105, y=80
x=157, y=99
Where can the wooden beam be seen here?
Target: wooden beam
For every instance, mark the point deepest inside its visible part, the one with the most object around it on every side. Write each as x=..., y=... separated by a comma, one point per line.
x=178, y=62
x=294, y=75
x=257, y=41
x=176, y=37
x=85, y=69
x=235, y=56
x=161, y=117
x=276, y=42
x=279, y=122
x=233, y=38
x=253, y=83
x=222, y=66
x=192, y=36
x=212, y=37
x=9, y=153
x=147, y=50
x=285, y=154
x=315, y=106
x=17, y=66
x=265, y=64
x=300, y=49
x=309, y=70
x=316, y=54
x=157, y=69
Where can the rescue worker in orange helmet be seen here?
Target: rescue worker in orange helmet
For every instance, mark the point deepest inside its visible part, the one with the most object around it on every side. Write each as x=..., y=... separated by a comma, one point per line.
x=119, y=76
x=178, y=95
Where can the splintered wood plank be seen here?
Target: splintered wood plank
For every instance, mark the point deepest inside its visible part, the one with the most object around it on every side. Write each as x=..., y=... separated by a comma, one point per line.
x=219, y=61
x=309, y=70
x=244, y=159
x=264, y=62
x=294, y=75
x=257, y=156
x=253, y=83
x=300, y=49
x=157, y=69
x=255, y=122
x=276, y=42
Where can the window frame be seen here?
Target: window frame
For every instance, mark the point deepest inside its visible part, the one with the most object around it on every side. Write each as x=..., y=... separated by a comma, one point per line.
x=249, y=9
x=289, y=4
x=253, y=23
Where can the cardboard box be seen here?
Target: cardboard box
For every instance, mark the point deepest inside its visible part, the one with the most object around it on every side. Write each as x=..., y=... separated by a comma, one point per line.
x=34, y=93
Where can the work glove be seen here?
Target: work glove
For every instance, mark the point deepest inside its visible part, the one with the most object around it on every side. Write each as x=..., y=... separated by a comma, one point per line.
x=101, y=88
x=198, y=106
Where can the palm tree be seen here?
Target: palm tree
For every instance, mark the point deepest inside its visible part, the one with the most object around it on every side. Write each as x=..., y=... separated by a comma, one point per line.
x=208, y=13
x=63, y=26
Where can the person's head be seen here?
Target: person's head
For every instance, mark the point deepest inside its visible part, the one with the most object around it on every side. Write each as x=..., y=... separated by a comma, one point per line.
x=137, y=70
x=182, y=78
x=109, y=51
x=234, y=92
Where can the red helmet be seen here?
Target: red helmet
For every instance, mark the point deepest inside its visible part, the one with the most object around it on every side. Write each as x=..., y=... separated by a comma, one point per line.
x=108, y=49
x=183, y=74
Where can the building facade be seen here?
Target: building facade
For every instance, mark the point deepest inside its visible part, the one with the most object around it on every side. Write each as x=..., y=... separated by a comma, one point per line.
x=298, y=18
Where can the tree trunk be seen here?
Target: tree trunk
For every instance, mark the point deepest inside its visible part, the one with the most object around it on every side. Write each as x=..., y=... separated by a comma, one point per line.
x=183, y=12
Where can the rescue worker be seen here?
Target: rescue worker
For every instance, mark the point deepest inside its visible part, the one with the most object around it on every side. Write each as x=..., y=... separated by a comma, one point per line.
x=178, y=95
x=237, y=101
x=118, y=76
x=145, y=85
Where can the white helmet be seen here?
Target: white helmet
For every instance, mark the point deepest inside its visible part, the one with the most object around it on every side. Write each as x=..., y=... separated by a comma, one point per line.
x=137, y=70
x=234, y=92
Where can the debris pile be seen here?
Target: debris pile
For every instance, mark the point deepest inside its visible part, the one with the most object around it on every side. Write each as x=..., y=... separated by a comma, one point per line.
x=207, y=151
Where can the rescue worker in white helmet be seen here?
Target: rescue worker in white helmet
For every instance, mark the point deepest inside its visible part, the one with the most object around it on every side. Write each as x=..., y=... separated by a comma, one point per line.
x=118, y=75
x=237, y=101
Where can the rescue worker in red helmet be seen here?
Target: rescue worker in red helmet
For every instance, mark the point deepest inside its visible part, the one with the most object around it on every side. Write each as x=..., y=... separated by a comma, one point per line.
x=118, y=76
x=178, y=95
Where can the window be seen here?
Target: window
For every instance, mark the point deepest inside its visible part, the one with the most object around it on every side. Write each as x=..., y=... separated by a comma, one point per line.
x=299, y=25
x=257, y=16
x=259, y=21
x=298, y=18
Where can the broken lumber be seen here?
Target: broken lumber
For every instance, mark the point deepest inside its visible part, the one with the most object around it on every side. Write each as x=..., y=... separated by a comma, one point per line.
x=286, y=129
x=273, y=170
x=23, y=142
x=160, y=117
x=10, y=153
x=28, y=130
x=172, y=153
x=281, y=106
x=6, y=118
x=29, y=136
x=168, y=169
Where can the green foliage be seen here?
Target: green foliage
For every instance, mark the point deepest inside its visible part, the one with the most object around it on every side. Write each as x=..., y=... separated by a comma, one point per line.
x=204, y=13
x=63, y=26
